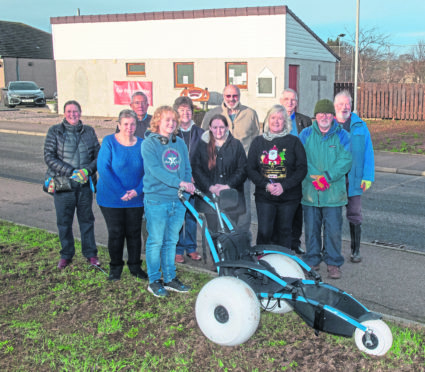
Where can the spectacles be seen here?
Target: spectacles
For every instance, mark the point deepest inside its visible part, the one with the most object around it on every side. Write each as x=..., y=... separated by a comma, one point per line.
x=232, y=95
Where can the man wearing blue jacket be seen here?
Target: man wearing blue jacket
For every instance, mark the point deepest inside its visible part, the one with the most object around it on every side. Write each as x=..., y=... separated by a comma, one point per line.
x=327, y=146
x=362, y=172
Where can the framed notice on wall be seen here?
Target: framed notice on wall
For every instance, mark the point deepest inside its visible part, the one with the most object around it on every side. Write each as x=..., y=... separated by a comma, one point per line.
x=123, y=90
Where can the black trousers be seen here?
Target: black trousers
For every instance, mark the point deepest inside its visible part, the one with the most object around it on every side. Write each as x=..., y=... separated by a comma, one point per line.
x=275, y=222
x=124, y=224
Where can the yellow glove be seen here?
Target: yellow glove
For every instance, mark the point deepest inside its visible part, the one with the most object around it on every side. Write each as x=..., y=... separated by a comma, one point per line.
x=365, y=185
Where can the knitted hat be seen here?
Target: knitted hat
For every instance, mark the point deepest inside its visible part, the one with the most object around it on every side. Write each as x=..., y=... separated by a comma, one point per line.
x=324, y=106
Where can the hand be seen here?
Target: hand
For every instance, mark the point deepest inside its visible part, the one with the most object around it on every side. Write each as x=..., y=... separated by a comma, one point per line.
x=365, y=185
x=188, y=187
x=276, y=189
x=214, y=190
x=320, y=183
x=80, y=175
x=220, y=188
x=129, y=195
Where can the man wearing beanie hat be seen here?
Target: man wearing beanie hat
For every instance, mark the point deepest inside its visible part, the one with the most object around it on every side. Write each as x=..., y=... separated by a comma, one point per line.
x=327, y=146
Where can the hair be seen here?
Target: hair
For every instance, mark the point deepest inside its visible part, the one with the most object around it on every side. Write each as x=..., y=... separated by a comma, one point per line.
x=234, y=86
x=139, y=93
x=72, y=102
x=275, y=109
x=127, y=114
x=183, y=101
x=157, y=115
x=344, y=93
x=211, y=143
x=289, y=90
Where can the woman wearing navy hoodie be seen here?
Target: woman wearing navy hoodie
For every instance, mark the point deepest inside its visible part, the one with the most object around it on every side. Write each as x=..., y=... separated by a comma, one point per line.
x=167, y=168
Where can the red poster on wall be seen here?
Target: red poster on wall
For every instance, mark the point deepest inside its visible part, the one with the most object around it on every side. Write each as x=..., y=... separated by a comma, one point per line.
x=123, y=91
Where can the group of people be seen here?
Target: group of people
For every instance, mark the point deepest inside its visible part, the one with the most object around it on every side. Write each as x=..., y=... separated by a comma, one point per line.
x=304, y=172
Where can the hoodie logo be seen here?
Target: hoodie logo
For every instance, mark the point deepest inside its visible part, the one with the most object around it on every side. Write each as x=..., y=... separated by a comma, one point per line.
x=171, y=160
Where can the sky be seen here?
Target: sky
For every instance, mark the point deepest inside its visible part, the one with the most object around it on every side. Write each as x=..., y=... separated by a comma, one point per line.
x=402, y=21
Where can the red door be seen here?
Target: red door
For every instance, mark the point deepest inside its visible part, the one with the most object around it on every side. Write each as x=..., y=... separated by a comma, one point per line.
x=293, y=77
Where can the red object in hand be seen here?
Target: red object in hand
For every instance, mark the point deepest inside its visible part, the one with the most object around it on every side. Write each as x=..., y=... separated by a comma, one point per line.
x=320, y=183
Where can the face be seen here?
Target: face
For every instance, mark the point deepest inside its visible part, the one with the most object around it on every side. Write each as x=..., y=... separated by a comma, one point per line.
x=185, y=115
x=276, y=122
x=127, y=126
x=218, y=129
x=168, y=124
x=324, y=121
x=72, y=114
x=231, y=97
x=342, y=108
x=139, y=106
x=289, y=101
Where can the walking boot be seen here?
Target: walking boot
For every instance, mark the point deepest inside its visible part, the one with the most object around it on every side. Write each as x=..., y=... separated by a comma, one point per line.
x=355, y=233
x=115, y=273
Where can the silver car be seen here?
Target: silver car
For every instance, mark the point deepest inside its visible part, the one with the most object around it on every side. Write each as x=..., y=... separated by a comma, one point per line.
x=23, y=93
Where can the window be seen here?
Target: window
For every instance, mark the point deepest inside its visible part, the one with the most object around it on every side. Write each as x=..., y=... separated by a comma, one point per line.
x=266, y=83
x=136, y=69
x=183, y=74
x=237, y=74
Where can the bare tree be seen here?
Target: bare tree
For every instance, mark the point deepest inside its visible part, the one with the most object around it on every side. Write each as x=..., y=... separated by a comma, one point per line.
x=416, y=57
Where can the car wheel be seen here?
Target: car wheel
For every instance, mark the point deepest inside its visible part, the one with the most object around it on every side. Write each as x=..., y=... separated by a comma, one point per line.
x=284, y=266
x=227, y=311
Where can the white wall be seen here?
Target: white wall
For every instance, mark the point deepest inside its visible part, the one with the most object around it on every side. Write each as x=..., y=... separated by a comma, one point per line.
x=225, y=37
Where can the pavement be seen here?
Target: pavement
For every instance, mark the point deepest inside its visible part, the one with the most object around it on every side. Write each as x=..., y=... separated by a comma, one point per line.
x=388, y=280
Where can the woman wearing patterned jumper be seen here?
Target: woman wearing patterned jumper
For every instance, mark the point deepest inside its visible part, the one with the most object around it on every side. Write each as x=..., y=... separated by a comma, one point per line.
x=167, y=168
x=277, y=164
x=120, y=194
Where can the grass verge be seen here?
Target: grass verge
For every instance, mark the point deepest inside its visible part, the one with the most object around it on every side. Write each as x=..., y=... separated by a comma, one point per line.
x=77, y=321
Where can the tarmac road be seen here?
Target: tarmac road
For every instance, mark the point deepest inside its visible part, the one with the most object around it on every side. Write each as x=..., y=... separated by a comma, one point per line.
x=389, y=280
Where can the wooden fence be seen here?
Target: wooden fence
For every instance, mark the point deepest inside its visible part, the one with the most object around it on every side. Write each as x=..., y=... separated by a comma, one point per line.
x=388, y=100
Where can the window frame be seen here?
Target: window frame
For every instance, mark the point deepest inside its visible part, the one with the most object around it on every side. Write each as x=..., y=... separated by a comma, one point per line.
x=182, y=85
x=135, y=73
x=227, y=65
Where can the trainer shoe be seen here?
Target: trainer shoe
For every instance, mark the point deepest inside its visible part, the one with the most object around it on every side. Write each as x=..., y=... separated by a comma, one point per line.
x=157, y=289
x=176, y=286
x=94, y=261
x=334, y=272
x=179, y=258
x=63, y=262
x=195, y=256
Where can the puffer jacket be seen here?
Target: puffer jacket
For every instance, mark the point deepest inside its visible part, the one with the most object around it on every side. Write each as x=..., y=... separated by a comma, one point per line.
x=328, y=155
x=61, y=153
x=230, y=170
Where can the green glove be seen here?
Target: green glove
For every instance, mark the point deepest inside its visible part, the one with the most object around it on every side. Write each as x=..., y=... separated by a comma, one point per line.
x=80, y=175
x=365, y=185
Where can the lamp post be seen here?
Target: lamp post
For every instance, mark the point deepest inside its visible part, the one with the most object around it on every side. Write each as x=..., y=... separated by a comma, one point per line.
x=339, y=53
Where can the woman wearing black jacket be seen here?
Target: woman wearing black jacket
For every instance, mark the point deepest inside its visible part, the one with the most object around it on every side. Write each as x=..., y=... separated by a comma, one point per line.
x=219, y=164
x=277, y=164
x=70, y=152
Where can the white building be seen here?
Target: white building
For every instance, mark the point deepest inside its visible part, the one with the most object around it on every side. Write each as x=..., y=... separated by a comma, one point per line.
x=261, y=49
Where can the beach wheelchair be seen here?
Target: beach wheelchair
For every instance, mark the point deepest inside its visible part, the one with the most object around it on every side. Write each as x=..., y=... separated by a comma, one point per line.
x=272, y=278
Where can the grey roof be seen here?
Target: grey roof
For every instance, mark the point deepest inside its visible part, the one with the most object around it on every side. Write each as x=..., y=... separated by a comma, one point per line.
x=23, y=41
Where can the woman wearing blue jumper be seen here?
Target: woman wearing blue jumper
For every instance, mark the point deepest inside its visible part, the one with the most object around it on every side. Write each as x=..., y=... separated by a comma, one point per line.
x=120, y=195
x=167, y=168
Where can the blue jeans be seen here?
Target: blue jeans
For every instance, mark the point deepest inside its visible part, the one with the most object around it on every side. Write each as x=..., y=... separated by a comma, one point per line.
x=331, y=220
x=163, y=222
x=187, y=236
x=80, y=199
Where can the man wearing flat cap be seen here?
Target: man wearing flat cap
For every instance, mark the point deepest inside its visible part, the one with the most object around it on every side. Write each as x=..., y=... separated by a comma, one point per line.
x=327, y=146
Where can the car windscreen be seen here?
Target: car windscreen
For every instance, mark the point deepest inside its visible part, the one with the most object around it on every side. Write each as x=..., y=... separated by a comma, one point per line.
x=23, y=86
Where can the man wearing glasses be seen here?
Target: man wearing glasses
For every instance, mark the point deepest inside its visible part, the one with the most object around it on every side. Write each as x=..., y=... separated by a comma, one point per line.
x=327, y=146
x=244, y=125
x=139, y=104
